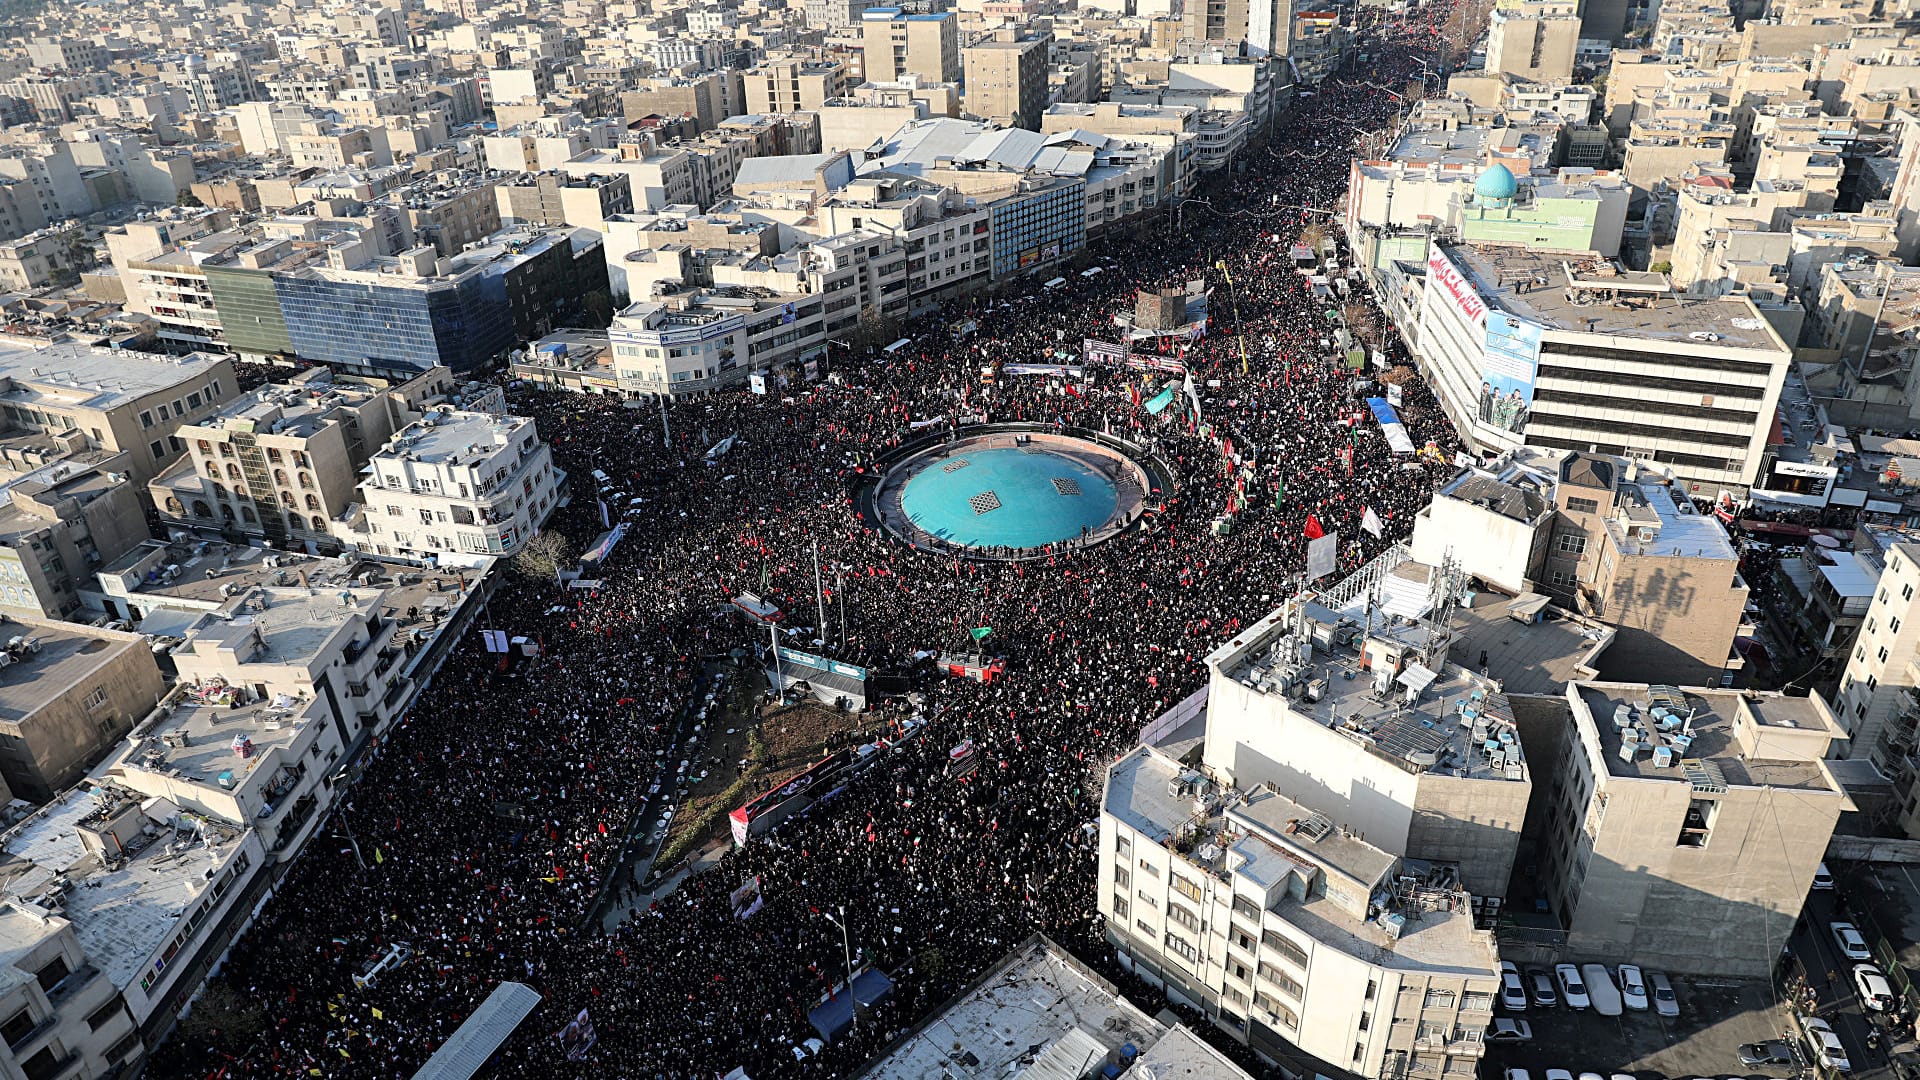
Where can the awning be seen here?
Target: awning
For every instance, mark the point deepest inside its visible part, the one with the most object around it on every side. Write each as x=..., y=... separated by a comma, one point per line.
x=832, y=1018
x=1417, y=677
x=1528, y=605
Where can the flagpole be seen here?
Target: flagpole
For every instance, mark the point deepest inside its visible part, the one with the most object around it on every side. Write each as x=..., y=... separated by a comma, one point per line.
x=819, y=596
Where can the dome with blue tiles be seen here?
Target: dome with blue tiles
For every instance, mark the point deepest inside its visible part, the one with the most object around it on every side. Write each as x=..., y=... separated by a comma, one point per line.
x=1497, y=182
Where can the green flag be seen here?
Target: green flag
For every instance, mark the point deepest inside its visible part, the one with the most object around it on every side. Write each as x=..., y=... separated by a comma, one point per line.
x=979, y=632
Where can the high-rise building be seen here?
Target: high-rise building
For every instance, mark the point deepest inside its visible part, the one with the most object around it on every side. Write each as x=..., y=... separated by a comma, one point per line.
x=1007, y=77
x=1570, y=352
x=1685, y=824
x=1297, y=857
x=457, y=485
x=895, y=44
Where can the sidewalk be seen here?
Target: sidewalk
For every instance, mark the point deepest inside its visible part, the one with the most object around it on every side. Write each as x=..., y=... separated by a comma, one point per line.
x=701, y=861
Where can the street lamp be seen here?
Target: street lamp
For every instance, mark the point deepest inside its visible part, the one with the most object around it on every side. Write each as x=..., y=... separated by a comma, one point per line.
x=846, y=952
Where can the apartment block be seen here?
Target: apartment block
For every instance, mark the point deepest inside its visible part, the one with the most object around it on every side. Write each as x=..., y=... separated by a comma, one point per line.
x=1308, y=883
x=457, y=487
x=1686, y=824
x=895, y=43
x=1006, y=77
x=68, y=693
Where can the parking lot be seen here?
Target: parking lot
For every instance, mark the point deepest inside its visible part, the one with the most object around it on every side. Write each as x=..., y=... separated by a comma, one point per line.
x=1716, y=1017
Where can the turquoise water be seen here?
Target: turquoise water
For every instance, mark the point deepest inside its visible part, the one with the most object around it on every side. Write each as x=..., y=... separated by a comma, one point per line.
x=959, y=504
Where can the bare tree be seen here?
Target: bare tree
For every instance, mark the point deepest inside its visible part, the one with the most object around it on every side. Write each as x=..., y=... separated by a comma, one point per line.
x=222, y=1013
x=545, y=554
x=1361, y=320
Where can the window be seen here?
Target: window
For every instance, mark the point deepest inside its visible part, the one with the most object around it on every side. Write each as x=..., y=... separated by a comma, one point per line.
x=1906, y=592
x=1123, y=847
x=1583, y=506
x=1572, y=545
x=42, y=1065
x=146, y=419
x=1893, y=625
x=1181, y=947
x=49, y=977
x=1244, y=906
x=1563, y=579
x=1287, y=984
x=1181, y=915
x=1288, y=951
x=1147, y=899
x=1152, y=870
x=104, y=1015
x=1119, y=907
x=1438, y=999
x=1882, y=653
x=1122, y=878
x=157, y=448
x=125, y=1047
x=1276, y=1012
x=1186, y=888
x=17, y=1026
x=97, y=698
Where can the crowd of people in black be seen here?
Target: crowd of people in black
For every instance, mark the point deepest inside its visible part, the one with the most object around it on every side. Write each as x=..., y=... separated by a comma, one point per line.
x=937, y=874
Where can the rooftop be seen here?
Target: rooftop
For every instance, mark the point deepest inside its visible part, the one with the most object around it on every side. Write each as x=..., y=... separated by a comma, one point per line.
x=121, y=912
x=208, y=737
x=1582, y=293
x=450, y=434
x=49, y=659
x=1265, y=837
x=85, y=376
x=1423, y=720
x=1041, y=1014
x=1714, y=737
x=1536, y=658
x=1649, y=519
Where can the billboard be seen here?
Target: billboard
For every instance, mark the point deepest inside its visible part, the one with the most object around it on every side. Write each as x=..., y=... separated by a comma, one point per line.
x=1506, y=378
x=1454, y=285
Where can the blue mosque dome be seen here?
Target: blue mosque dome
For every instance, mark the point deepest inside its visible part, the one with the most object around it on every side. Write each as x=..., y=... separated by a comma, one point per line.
x=1496, y=182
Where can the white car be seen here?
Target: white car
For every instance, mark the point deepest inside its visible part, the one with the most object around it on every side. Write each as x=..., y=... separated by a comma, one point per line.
x=1664, y=1002
x=1513, y=992
x=1559, y=1074
x=1503, y=1030
x=1847, y=937
x=1875, y=992
x=1825, y=1044
x=1822, y=878
x=1572, y=988
x=1633, y=988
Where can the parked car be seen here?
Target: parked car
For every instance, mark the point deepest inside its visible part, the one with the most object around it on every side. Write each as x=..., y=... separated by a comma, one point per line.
x=1541, y=983
x=1517, y=1074
x=1822, y=877
x=1875, y=992
x=1513, y=992
x=1558, y=1074
x=1824, y=1044
x=1633, y=988
x=1503, y=1030
x=1771, y=1052
x=1664, y=1001
x=1572, y=985
x=1852, y=945
x=1591, y=1076
x=1601, y=993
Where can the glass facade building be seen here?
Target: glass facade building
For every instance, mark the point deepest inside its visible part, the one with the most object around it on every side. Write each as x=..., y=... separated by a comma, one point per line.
x=365, y=325
x=1033, y=229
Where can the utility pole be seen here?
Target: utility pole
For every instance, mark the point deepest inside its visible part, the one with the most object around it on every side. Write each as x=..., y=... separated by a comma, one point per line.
x=846, y=951
x=819, y=594
x=779, y=679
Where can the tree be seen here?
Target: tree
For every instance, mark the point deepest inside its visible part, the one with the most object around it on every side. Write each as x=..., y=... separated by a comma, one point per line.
x=598, y=305
x=222, y=1013
x=874, y=330
x=1313, y=234
x=545, y=554
x=1360, y=319
x=188, y=198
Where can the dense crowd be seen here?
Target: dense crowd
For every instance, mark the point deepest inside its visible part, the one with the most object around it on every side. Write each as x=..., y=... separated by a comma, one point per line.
x=937, y=874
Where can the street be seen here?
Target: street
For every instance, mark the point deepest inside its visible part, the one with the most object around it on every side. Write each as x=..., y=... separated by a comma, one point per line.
x=1836, y=1002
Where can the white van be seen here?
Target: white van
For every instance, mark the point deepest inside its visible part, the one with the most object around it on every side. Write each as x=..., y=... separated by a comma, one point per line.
x=394, y=958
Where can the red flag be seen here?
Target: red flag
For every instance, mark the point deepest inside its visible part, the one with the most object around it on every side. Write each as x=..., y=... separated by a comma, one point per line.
x=1313, y=530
